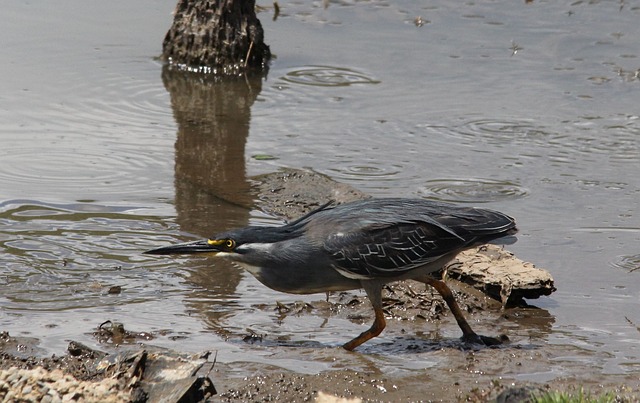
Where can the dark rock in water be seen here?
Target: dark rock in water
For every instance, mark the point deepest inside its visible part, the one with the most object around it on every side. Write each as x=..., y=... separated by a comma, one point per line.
x=222, y=37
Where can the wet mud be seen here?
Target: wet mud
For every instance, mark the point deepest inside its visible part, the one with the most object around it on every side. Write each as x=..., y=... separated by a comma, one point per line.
x=419, y=324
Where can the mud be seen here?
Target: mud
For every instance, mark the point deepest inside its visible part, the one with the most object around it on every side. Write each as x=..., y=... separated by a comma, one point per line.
x=509, y=372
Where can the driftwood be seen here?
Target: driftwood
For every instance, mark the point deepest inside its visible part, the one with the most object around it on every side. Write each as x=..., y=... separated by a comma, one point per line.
x=222, y=37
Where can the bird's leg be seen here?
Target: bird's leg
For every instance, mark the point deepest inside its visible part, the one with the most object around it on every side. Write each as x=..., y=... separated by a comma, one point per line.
x=444, y=290
x=374, y=292
x=468, y=335
x=377, y=328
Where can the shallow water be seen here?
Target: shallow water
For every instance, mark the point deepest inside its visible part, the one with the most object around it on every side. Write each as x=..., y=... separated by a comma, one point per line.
x=527, y=108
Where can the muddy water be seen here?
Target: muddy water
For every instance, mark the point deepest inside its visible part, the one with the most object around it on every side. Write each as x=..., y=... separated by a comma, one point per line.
x=527, y=108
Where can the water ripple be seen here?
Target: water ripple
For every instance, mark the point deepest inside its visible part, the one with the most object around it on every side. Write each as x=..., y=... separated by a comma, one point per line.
x=136, y=105
x=362, y=172
x=589, y=135
x=504, y=131
x=60, y=168
x=630, y=263
x=327, y=76
x=471, y=190
x=59, y=257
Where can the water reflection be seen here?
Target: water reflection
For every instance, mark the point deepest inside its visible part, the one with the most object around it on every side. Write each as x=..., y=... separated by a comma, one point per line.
x=213, y=118
x=211, y=188
x=537, y=323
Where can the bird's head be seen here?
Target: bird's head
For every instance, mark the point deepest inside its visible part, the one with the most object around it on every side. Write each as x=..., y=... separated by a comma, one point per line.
x=216, y=246
x=240, y=244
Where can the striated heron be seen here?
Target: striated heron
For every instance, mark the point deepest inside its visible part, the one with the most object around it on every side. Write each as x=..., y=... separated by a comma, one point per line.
x=363, y=244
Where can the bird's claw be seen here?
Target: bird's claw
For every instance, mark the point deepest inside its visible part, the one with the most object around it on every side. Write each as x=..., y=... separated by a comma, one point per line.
x=488, y=341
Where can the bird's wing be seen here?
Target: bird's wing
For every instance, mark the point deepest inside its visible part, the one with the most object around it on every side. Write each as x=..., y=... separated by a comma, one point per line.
x=390, y=250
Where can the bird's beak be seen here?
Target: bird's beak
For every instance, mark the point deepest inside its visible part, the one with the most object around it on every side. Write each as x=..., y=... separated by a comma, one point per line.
x=196, y=247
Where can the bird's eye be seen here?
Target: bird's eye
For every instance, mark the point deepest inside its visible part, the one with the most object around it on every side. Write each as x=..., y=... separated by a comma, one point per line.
x=230, y=244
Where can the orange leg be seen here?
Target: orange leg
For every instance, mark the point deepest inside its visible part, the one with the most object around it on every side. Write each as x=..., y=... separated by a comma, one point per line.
x=377, y=328
x=374, y=292
x=468, y=335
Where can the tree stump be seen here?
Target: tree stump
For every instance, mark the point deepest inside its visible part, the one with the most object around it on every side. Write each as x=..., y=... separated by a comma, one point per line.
x=222, y=37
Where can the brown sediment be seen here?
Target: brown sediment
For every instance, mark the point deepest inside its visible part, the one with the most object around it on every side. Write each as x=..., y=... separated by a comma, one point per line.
x=136, y=373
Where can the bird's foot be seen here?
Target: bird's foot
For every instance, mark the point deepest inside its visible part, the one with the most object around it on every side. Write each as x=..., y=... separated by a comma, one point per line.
x=474, y=338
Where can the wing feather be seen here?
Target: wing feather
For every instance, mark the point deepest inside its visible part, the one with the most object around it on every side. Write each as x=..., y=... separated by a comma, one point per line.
x=388, y=251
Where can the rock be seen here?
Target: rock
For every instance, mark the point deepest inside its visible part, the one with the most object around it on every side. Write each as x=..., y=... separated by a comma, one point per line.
x=521, y=394
x=290, y=193
x=327, y=398
x=500, y=274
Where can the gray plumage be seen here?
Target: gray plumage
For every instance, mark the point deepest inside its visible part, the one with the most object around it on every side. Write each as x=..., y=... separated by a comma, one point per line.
x=362, y=244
